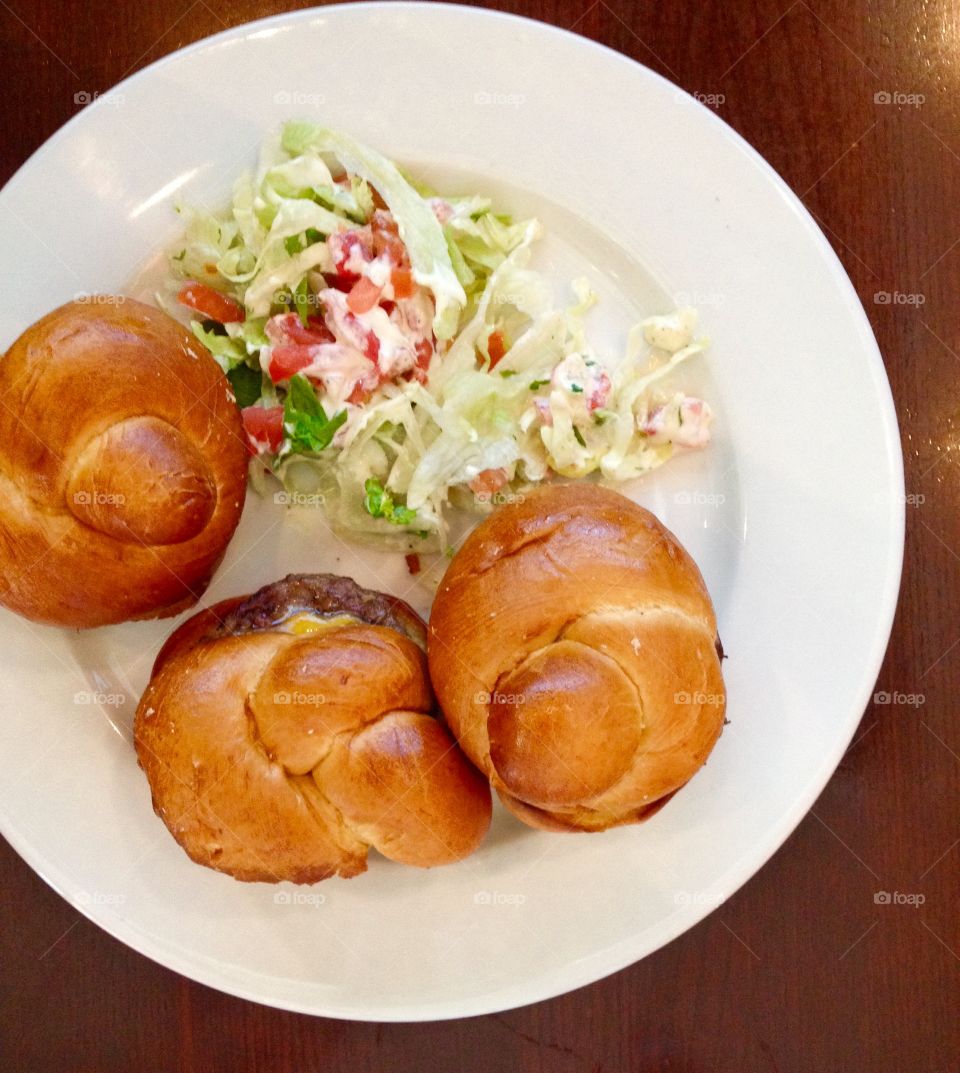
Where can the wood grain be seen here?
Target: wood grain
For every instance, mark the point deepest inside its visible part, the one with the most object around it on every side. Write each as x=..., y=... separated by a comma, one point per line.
x=801, y=970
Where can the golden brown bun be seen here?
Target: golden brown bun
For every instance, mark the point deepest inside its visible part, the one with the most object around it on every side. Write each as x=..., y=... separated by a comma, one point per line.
x=573, y=649
x=122, y=466
x=273, y=756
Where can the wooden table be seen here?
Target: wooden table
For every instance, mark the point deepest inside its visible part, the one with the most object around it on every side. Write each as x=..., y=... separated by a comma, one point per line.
x=856, y=105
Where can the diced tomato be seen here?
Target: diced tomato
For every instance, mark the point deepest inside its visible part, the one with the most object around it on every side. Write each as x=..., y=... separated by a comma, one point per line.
x=386, y=238
x=287, y=359
x=360, y=394
x=401, y=279
x=443, y=210
x=495, y=348
x=343, y=245
x=599, y=392
x=366, y=340
x=264, y=427
x=210, y=303
x=387, y=306
x=316, y=323
x=339, y=281
x=385, y=242
x=488, y=481
x=288, y=328
x=413, y=563
x=363, y=295
x=383, y=220
x=424, y=354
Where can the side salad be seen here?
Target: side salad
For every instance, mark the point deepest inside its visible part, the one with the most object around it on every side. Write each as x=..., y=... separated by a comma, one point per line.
x=392, y=349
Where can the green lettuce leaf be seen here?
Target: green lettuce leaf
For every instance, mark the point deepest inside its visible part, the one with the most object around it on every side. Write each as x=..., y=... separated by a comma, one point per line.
x=307, y=427
x=379, y=504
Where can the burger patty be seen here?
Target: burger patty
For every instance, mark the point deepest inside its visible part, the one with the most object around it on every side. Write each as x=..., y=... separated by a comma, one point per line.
x=322, y=594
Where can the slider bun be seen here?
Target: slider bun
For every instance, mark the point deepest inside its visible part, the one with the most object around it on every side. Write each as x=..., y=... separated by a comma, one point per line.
x=275, y=755
x=122, y=466
x=573, y=648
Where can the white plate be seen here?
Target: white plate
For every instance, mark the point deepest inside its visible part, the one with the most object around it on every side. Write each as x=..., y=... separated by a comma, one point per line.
x=795, y=513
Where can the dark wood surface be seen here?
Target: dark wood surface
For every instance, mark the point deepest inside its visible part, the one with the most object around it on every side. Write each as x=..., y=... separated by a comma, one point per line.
x=801, y=970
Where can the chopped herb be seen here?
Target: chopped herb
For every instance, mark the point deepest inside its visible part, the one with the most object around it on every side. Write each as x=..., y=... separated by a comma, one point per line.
x=379, y=503
x=536, y=384
x=313, y=236
x=507, y=373
x=577, y=389
x=579, y=436
x=307, y=427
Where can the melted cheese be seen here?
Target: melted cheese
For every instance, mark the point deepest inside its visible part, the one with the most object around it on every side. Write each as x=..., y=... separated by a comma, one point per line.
x=307, y=622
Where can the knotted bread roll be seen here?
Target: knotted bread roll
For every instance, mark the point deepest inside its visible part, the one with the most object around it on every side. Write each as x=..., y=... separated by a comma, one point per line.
x=573, y=648
x=122, y=466
x=285, y=733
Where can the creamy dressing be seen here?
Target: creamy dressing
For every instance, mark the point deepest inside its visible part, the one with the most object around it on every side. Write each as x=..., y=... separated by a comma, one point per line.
x=398, y=353
x=259, y=295
x=671, y=332
x=339, y=368
x=683, y=421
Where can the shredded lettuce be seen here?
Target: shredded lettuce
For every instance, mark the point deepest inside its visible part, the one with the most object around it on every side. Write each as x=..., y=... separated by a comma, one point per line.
x=228, y=352
x=421, y=232
x=513, y=390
